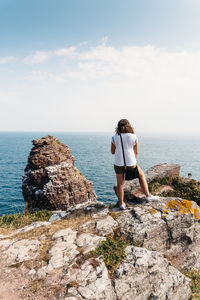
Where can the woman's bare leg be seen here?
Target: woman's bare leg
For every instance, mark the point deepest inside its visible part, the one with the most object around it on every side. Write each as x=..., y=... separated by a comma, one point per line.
x=120, y=188
x=143, y=182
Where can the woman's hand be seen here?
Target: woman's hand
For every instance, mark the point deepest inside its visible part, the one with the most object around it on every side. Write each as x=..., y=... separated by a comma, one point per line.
x=113, y=148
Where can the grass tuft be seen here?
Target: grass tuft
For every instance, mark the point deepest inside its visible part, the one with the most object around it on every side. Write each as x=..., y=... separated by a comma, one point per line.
x=194, y=275
x=112, y=251
x=183, y=188
x=15, y=221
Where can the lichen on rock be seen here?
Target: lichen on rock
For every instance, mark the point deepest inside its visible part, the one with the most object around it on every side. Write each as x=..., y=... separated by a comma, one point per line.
x=182, y=206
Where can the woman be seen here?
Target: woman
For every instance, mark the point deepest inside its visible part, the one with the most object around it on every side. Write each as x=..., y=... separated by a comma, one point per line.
x=130, y=144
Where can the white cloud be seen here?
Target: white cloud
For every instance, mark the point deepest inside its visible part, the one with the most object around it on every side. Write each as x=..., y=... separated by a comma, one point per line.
x=42, y=56
x=7, y=59
x=134, y=66
x=37, y=75
x=37, y=57
x=128, y=66
x=70, y=51
x=157, y=88
x=104, y=40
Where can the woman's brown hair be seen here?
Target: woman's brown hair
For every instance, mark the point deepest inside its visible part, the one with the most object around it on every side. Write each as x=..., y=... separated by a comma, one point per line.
x=124, y=126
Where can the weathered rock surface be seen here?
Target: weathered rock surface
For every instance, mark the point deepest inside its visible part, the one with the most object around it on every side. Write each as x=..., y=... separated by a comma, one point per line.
x=97, y=208
x=132, y=188
x=106, y=226
x=169, y=225
x=147, y=275
x=51, y=181
x=17, y=251
x=91, y=281
x=167, y=236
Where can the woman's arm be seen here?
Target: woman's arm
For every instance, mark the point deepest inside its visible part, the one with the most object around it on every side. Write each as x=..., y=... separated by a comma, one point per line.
x=113, y=148
x=135, y=148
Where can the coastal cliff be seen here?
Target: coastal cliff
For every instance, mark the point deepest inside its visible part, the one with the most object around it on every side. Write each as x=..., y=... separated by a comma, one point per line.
x=93, y=251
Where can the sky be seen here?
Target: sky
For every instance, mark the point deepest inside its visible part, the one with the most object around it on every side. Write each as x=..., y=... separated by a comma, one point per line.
x=74, y=65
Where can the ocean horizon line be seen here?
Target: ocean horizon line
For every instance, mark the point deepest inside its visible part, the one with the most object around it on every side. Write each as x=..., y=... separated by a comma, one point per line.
x=140, y=133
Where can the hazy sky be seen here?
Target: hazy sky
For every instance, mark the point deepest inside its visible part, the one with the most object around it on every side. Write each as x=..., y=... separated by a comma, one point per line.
x=81, y=65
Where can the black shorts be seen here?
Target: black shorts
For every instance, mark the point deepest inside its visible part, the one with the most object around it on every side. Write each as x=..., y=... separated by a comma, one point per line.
x=121, y=170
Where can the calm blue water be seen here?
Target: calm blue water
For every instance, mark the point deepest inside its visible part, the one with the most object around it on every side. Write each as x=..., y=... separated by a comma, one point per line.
x=92, y=158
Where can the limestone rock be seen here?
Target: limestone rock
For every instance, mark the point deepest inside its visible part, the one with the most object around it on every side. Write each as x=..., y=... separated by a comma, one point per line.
x=26, y=228
x=145, y=227
x=88, y=242
x=91, y=281
x=65, y=249
x=51, y=181
x=147, y=275
x=106, y=226
x=94, y=209
x=168, y=225
x=17, y=251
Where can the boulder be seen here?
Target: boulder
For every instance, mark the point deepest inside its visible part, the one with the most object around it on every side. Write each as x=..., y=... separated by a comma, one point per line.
x=132, y=188
x=147, y=275
x=51, y=181
x=168, y=225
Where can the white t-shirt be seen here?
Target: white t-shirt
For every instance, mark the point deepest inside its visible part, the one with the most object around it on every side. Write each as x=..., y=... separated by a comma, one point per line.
x=129, y=140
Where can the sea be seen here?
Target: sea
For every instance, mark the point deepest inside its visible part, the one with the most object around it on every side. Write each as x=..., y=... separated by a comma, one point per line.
x=93, y=158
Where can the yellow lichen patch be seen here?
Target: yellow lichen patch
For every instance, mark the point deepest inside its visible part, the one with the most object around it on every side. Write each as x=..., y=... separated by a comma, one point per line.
x=196, y=213
x=182, y=206
x=152, y=211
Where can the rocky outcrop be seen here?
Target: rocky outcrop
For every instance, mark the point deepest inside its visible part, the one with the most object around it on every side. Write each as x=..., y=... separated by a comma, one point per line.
x=132, y=188
x=168, y=225
x=147, y=275
x=56, y=259
x=51, y=181
x=144, y=274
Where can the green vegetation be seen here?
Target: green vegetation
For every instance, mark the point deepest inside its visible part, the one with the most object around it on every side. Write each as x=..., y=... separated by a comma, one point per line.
x=183, y=188
x=112, y=251
x=15, y=221
x=194, y=275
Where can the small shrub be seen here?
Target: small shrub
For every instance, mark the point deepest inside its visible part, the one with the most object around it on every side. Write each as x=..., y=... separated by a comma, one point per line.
x=42, y=215
x=194, y=275
x=9, y=219
x=15, y=221
x=112, y=251
x=183, y=188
